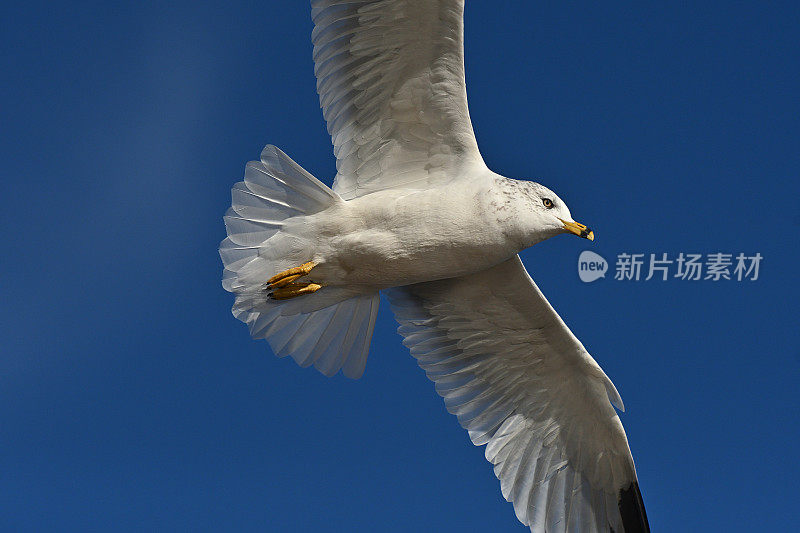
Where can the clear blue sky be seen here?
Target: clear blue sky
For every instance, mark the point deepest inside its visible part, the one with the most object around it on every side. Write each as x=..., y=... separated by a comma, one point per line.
x=130, y=398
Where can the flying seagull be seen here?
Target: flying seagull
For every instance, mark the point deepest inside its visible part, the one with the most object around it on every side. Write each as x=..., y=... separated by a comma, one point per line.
x=416, y=213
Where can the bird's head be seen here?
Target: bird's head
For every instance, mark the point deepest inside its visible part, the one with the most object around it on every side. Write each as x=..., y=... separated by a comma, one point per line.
x=552, y=215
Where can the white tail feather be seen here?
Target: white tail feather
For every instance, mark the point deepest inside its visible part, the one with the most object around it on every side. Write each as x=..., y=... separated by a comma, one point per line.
x=331, y=328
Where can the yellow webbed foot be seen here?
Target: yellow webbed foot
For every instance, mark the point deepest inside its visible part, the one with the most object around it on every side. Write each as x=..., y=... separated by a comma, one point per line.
x=288, y=276
x=284, y=285
x=291, y=290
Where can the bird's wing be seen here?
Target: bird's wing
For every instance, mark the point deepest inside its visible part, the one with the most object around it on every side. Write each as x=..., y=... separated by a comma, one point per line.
x=520, y=382
x=390, y=78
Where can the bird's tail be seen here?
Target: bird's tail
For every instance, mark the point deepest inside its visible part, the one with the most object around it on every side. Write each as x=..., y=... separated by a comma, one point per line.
x=330, y=328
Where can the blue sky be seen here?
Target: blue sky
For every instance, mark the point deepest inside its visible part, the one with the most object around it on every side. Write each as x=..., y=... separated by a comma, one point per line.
x=130, y=398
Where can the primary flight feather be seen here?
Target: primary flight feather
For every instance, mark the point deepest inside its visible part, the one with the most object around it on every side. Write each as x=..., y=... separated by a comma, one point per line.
x=415, y=212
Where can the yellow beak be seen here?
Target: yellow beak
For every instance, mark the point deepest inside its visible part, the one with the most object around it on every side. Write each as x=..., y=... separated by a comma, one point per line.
x=578, y=229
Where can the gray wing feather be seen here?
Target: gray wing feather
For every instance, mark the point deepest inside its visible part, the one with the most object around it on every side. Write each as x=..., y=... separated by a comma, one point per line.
x=521, y=383
x=390, y=78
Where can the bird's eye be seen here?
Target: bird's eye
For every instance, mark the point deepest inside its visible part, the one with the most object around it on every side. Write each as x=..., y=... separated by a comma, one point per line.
x=548, y=203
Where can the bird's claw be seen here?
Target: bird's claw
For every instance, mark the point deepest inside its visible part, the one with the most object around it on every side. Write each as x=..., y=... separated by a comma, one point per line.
x=291, y=290
x=284, y=285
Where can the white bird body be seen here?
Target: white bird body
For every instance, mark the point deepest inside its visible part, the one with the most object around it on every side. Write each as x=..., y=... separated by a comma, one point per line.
x=415, y=213
x=398, y=237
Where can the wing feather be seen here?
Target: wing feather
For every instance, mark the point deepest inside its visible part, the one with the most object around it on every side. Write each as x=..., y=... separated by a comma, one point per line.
x=390, y=78
x=521, y=383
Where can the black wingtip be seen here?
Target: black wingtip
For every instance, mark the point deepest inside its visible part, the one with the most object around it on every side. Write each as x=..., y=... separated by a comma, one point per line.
x=631, y=508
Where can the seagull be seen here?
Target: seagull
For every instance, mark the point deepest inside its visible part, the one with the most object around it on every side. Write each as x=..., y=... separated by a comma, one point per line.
x=415, y=213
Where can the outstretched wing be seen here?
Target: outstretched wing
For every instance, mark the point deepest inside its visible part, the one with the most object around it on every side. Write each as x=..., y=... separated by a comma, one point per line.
x=520, y=382
x=390, y=78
